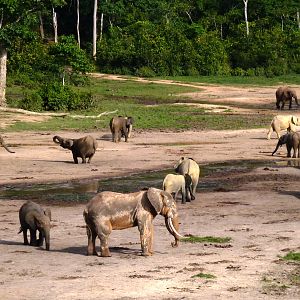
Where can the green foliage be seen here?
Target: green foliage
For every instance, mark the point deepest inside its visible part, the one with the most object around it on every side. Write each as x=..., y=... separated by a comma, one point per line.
x=204, y=275
x=206, y=239
x=295, y=256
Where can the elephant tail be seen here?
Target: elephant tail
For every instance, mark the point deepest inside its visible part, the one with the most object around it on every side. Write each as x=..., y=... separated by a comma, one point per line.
x=86, y=219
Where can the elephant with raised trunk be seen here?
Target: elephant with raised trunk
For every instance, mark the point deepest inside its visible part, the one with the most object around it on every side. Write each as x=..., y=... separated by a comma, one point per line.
x=292, y=141
x=188, y=166
x=174, y=183
x=120, y=126
x=33, y=217
x=2, y=143
x=84, y=147
x=282, y=122
x=109, y=211
x=283, y=94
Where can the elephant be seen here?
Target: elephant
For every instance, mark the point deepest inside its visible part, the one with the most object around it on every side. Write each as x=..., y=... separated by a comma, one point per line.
x=292, y=140
x=188, y=166
x=2, y=143
x=285, y=93
x=173, y=183
x=121, y=126
x=109, y=211
x=84, y=147
x=33, y=217
x=281, y=122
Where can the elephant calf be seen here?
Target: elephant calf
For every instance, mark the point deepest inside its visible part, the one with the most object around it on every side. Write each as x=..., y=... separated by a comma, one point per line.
x=33, y=217
x=2, y=143
x=120, y=126
x=174, y=183
x=84, y=147
x=292, y=140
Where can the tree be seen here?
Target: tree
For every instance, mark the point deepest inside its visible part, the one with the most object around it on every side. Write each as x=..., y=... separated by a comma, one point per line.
x=95, y=28
x=18, y=19
x=246, y=15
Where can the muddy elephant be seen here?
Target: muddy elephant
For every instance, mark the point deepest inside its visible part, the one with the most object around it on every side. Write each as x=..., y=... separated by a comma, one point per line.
x=109, y=211
x=120, y=126
x=84, y=147
x=292, y=141
x=33, y=217
x=173, y=183
x=283, y=94
x=282, y=122
x=2, y=143
x=188, y=166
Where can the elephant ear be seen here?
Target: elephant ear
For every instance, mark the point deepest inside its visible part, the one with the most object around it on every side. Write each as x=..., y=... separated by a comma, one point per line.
x=294, y=120
x=47, y=212
x=129, y=121
x=155, y=198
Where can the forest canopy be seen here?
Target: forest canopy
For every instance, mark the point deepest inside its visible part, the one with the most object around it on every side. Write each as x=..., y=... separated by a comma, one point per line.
x=46, y=40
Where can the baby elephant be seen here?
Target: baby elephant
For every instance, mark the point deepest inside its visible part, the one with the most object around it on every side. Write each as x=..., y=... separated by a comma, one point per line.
x=35, y=218
x=84, y=147
x=292, y=140
x=174, y=183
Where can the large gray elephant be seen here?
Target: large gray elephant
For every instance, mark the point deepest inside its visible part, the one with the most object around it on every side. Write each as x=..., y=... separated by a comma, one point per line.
x=188, y=166
x=108, y=211
x=84, y=147
x=120, y=126
x=2, y=143
x=283, y=94
x=173, y=183
x=292, y=141
x=33, y=217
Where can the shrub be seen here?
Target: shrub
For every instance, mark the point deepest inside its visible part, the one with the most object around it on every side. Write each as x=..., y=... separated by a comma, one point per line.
x=145, y=72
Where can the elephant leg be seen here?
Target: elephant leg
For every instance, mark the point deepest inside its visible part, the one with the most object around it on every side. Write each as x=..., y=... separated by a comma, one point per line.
x=90, y=158
x=33, y=241
x=195, y=183
x=282, y=105
x=290, y=105
x=75, y=159
x=40, y=241
x=289, y=151
x=269, y=133
x=25, y=237
x=91, y=250
x=104, y=231
x=146, y=237
x=125, y=133
x=295, y=150
x=83, y=159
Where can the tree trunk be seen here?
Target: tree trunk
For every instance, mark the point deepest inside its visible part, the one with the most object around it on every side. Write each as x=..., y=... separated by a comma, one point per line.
x=246, y=16
x=54, y=25
x=78, y=33
x=3, y=60
x=298, y=19
x=101, y=26
x=95, y=29
x=42, y=32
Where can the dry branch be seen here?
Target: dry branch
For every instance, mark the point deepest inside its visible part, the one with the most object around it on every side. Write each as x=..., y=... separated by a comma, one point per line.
x=93, y=117
x=28, y=112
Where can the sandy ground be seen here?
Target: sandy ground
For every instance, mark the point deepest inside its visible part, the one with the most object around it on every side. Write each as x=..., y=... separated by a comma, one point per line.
x=258, y=209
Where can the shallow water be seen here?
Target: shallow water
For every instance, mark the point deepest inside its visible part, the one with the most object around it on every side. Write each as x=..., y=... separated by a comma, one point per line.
x=82, y=191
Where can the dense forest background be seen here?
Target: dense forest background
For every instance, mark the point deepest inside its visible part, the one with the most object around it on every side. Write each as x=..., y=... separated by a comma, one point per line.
x=148, y=38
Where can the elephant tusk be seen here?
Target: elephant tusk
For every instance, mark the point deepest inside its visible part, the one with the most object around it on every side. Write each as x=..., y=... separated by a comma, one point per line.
x=173, y=229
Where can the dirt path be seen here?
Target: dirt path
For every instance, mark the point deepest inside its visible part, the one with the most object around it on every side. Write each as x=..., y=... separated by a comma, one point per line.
x=259, y=210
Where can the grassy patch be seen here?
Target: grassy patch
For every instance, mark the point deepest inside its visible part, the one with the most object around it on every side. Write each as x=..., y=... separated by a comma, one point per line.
x=204, y=275
x=294, y=256
x=206, y=239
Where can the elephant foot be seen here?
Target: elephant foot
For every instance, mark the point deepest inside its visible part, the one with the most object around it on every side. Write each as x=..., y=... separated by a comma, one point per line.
x=105, y=253
x=146, y=254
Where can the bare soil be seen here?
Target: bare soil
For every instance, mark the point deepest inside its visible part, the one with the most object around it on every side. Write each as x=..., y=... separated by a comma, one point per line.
x=258, y=209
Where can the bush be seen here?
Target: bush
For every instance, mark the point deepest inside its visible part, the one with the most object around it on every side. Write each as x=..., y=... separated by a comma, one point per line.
x=145, y=72
x=33, y=102
x=238, y=72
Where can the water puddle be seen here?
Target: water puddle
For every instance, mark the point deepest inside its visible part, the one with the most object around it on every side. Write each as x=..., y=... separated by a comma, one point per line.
x=81, y=191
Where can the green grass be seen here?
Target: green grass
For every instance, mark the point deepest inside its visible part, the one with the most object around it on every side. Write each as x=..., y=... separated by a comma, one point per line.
x=203, y=275
x=294, y=256
x=239, y=80
x=206, y=239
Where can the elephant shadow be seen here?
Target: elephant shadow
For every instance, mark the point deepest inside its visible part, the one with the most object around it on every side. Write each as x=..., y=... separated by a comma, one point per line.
x=105, y=137
x=81, y=250
x=11, y=243
x=291, y=193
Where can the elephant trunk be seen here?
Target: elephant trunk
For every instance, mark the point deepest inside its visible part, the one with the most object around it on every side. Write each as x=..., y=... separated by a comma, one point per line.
x=6, y=148
x=57, y=139
x=47, y=239
x=278, y=145
x=172, y=225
